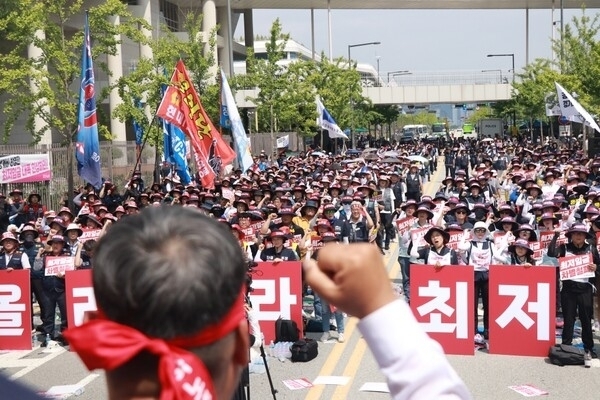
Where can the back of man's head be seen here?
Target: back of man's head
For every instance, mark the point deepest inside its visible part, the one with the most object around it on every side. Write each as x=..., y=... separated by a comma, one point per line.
x=168, y=272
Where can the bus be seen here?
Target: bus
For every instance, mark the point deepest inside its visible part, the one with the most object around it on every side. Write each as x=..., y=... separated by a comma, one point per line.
x=469, y=130
x=439, y=129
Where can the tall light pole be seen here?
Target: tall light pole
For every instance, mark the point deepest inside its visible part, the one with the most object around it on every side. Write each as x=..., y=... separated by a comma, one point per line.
x=378, y=78
x=359, y=45
x=349, y=67
x=395, y=73
x=494, y=70
x=512, y=56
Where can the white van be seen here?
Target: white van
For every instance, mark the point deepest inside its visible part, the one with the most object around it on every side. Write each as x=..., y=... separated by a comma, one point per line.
x=418, y=131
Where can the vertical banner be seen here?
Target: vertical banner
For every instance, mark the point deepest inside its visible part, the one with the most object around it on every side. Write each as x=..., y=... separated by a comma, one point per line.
x=87, y=145
x=442, y=302
x=15, y=310
x=522, y=310
x=80, y=295
x=277, y=293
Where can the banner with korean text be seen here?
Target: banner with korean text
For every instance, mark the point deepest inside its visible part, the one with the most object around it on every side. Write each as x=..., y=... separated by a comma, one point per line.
x=277, y=293
x=59, y=265
x=404, y=224
x=15, y=310
x=522, y=310
x=80, y=295
x=21, y=168
x=442, y=302
x=575, y=266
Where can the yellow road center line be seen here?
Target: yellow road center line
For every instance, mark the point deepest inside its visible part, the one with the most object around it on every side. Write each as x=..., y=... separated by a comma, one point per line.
x=338, y=349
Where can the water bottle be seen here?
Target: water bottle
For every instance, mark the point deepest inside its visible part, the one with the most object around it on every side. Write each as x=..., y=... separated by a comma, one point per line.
x=47, y=339
x=272, y=349
x=35, y=343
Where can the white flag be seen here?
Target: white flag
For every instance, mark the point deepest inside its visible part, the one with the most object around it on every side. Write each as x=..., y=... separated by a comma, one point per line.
x=572, y=110
x=283, y=141
x=326, y=121
x=241, y=140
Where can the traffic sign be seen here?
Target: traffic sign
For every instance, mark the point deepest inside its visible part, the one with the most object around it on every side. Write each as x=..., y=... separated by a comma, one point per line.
x=562, y=120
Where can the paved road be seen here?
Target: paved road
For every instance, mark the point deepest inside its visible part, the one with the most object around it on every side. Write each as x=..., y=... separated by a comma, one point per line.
x=487, y=376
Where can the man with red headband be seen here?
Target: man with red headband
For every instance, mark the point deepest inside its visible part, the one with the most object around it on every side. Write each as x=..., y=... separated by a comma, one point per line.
x=167, y=327
x=169, y=284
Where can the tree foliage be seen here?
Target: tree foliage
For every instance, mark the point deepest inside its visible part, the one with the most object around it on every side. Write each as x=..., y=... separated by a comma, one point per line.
x=145, y=83
x=577, y=69
x=46, y=86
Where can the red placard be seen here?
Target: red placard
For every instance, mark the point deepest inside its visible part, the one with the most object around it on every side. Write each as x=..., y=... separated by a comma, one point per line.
x=404, y=224
x=442, y=302
x=277, y=293
x=80, y=295
x=58, y=265
x=457, y=237
x=522, y=309
x=15, y=310
x=89, y=234
x=546, y=238
x=576, y=266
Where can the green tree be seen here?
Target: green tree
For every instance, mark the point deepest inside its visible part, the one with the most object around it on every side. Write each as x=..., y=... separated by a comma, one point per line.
x=385, y=114
x=46, y=86
x=146, y=81
x=580, y=66
x=268, y=76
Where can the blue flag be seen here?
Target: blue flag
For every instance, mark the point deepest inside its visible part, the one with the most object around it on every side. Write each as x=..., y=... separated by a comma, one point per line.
x=174, y=149
x=137, y=128
x=87, y=146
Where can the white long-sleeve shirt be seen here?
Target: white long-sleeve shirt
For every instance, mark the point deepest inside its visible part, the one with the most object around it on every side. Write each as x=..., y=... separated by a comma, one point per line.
x=414, y=364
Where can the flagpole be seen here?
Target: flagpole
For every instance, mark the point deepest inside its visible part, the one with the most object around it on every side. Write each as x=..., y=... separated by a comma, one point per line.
x=139, y=155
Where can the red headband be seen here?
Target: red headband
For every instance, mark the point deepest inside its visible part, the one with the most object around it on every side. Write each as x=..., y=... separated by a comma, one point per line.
x=105, y=344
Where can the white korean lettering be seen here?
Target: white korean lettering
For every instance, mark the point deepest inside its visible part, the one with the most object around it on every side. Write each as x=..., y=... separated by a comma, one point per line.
x=439, y=298
x=81, y=307
x=11, y=317
x=515, y=310
x=269, y=296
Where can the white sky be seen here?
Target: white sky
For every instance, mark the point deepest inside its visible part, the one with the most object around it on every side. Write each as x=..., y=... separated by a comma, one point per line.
x=442, y=40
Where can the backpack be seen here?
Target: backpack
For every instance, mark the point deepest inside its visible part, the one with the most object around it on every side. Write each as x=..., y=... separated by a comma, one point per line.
x=304, y=350
x=286, y=330
x=564, y=354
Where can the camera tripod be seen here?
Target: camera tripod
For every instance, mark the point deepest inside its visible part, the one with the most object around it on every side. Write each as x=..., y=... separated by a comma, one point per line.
x=243, y=390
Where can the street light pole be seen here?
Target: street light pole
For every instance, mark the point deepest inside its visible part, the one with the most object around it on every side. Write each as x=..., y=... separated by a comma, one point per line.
x=512, y=56
x=395, y=73
x=349, y=67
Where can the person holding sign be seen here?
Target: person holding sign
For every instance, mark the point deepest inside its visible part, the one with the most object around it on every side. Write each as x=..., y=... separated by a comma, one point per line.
x=438, y=253
x=481, y=253
x=521, y=253
x=577, y=291
x=54, y=288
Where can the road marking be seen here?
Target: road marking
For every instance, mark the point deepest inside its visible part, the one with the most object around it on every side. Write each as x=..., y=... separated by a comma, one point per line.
x=14, y=359
x=359, y=351
x=341, y=392
x=335, y=355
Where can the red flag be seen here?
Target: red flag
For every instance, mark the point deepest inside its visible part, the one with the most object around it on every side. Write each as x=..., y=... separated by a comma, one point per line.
x=181, y=106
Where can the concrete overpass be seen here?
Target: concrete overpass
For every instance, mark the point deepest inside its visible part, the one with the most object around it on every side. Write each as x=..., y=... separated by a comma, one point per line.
x=440, y=87
x=441, y=94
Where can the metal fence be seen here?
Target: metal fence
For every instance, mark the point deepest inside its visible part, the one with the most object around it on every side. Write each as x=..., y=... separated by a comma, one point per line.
x=117, y=160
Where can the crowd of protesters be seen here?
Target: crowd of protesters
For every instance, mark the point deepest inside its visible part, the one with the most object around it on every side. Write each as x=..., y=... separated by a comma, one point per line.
x=500, y=193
